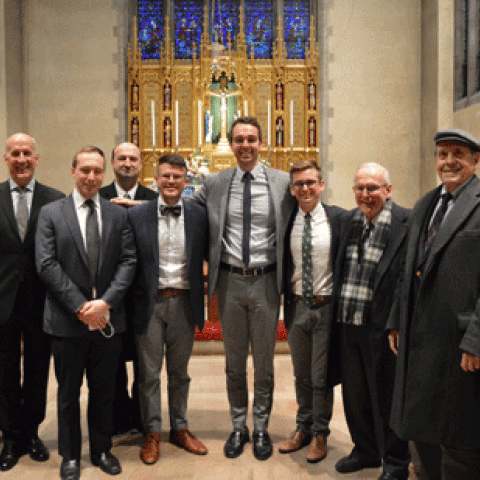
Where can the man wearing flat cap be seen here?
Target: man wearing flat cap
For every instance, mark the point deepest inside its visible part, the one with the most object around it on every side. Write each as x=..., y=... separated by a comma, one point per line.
x=435, y=321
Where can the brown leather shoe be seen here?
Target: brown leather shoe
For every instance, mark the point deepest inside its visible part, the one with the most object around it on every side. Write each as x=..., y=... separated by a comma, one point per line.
x=317, y=450
x=184, y=438
x=295, y=441
x=150, y=452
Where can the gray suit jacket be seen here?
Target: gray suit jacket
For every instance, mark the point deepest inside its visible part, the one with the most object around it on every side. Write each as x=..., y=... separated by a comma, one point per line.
x=62, y=264
x=434, y=400
x=214, y=195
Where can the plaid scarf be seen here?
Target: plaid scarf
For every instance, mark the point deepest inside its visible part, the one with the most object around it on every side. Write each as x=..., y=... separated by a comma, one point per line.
x=357, y=288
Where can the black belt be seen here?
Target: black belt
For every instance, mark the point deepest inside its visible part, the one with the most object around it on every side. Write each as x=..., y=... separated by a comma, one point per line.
x=248, y=272
x=318, y=300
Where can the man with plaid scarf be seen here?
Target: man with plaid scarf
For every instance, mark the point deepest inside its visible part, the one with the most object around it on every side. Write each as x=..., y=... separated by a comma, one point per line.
x=369, y=260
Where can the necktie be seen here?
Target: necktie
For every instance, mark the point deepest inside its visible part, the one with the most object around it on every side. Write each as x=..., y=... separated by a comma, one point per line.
x=174, y=210
x=22, y=212
x=361, y=246
x=93, y=241
x=127, y=196
x=437, y=221
x=307, y=272
x=247, y=216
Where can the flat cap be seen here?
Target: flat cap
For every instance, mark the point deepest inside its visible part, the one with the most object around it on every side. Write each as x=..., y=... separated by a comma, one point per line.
x=457, y=135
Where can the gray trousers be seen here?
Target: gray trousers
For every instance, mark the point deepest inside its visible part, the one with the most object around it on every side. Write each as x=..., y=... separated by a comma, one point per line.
x=249, y=308
x=307, y=337
x=168, y=329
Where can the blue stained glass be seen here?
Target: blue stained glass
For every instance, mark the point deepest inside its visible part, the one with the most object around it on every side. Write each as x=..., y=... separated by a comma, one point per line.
x=188, y=27
x=296, y=17
x=259, y=27
x=224, y=20
x=150, y=25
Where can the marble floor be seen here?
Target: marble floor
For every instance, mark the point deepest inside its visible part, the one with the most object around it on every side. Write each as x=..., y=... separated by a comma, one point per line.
x=209, y=420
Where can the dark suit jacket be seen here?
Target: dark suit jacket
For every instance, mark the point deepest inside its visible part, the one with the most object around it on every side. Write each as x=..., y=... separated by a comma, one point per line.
x=62, y=264
x=435, y=401
x=389, y=268
x=17, y=258
x=143, y=193
x=144, y=220
x=214, y=195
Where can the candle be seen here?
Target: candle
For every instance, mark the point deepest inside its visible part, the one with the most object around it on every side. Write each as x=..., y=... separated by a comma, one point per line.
x=153, y=125
x=269, y=121
x=291, y=123
x=176, y=123
x=239, y=114
x=245, y=108
x=199, y=123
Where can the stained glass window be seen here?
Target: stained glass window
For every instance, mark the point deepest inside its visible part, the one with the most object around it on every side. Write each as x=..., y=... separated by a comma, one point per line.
x=150, y=25
x=224, y=16
x=188, y=27
x=296, y=17
x=259, y=27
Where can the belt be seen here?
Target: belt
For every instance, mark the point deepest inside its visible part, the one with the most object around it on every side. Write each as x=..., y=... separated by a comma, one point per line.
x=248, y=272
x=318, y=301
x=171, y=292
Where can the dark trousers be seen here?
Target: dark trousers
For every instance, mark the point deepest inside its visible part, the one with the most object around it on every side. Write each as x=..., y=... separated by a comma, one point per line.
x=439, y=462
x=23, y=403
x=98, y=357
x=367, y=401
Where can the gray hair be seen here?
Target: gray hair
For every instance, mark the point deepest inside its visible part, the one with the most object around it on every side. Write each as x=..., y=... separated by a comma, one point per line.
x=375, y=166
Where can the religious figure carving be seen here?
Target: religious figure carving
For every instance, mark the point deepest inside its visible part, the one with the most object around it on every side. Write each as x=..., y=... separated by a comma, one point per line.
x=135, y=96
x=135, y=131
x=223, y=110
x=167, y=132
x=279, y=132
x=279, y=96
x=312, y=132
x=167, y=98
x=312, y=94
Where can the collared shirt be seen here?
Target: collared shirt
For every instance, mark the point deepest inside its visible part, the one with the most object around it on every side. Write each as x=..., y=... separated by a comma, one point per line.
x=172, y=252
x=262, y=236
x=82, y=212
x=455, y=194
x=29, y=188
x=121, y=192
x=321, y=258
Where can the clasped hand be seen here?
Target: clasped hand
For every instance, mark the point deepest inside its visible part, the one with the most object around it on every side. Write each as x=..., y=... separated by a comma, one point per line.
x=93, y=313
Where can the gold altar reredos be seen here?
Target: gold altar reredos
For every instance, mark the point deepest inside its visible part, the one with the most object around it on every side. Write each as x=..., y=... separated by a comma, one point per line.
x=177, y=93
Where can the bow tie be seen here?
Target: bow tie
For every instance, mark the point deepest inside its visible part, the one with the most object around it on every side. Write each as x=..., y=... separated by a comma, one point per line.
x=166, y=209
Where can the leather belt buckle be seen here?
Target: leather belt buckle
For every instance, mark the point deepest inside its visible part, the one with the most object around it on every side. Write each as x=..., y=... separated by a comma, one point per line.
x=171, y=292
x=250, y=272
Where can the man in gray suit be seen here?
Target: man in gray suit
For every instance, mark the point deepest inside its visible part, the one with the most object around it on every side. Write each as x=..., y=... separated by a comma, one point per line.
x=85, y=255
x=248, y=210
x=436, y=319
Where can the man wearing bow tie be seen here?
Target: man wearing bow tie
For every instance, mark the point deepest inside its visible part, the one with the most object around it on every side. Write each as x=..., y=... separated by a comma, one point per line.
x=171, y=238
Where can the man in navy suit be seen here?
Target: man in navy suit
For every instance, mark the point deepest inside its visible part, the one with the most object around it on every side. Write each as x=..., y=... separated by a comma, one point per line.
x=127, y=165
x=22, y=296
x=171, y=236
x=86, y=257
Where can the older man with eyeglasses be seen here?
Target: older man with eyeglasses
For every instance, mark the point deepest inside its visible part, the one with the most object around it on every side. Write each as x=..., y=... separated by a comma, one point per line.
x=369, y=261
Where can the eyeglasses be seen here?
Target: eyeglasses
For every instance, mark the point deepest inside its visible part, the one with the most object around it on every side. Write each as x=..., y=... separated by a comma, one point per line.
x=308, y=183
x=369, y=188
x=174, y=177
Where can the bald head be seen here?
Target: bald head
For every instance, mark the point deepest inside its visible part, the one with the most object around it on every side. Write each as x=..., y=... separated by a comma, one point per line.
x=21, y=158
x=127, y=164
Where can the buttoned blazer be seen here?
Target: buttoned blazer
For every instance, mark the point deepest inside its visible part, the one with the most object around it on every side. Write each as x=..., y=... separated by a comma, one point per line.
x=62, y=264
x=389, y=268
x=215, y=194
x=142, y=193
x=144, y=220
x=435, y=401
x=17, y=258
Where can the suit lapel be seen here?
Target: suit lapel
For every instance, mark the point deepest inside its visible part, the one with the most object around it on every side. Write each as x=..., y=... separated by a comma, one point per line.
x=6, y=205
x=72, y=222
x=151, y=226
x=223, y=199
x=189, y=230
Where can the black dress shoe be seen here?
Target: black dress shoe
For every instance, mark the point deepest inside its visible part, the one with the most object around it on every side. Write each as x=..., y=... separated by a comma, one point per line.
x=10, y=454
x=354, y=463
x=70, y=469
x=235, y=443
x=37, y=449
x=262, y=445
x=108, y=463
x=393, y=476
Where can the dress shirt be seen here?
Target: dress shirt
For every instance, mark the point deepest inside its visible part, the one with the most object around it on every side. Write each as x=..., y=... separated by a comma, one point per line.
x=121, y=192
x=321, y=258
x=172, y=252
x=30, y=186
x=82, y=212
x=262, y=237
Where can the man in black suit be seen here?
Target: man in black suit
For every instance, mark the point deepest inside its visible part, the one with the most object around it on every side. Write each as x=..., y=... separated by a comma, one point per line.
x=171, y=237
x=85, y=255
x=369, y=261
x=436, y=319
x=127, y=165
x=311, y=244
x=22, y=296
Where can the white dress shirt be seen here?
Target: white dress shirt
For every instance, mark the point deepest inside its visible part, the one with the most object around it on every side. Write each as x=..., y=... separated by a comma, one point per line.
x=29, y=188
x=121, y=192
x=82, y=212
